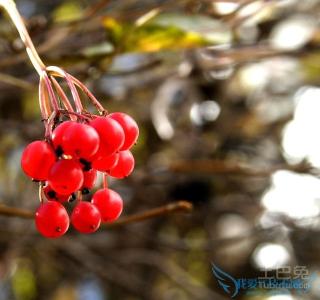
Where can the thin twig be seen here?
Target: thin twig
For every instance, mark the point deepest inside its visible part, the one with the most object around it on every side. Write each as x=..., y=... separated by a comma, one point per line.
x=63, y=98
x=10, y=7
x=11, y=80
x=232, y=168
x=16, y=212
x=176, y=207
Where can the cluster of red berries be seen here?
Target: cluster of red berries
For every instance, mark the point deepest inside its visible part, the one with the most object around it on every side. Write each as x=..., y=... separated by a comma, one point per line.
x=66, y=165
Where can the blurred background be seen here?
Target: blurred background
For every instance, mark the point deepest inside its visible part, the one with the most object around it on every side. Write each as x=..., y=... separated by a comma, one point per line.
x=226, y=94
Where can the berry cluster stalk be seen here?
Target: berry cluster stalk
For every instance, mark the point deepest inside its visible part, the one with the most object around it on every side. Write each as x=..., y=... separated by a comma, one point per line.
x=10, y=7
x=50, y=92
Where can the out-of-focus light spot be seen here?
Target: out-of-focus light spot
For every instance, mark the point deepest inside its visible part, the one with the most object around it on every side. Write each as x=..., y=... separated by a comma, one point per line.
x=225, y=8
x=130, y=62
x=254, y=76
x=221, y=74
x=294, y=195
x=171, y=94
x=232, y=225
x=27, y=8
x=255, y=12
x=248, y=33
x=185, y=69
x=90, y=289
x=315, y=285
x=251, y=9
x=207, y=111
x=293, y=33
x=300, y=137
x=270, y=256
x=280, y=297
x=287, y=3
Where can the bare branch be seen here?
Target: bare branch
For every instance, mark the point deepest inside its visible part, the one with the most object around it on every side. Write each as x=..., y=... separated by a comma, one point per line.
x=176, y=207
x=233, y=168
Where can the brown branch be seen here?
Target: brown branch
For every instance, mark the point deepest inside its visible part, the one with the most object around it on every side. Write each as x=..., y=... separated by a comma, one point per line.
x=16, y=212
x=232, y=168
x=11, y=80
x=176, y=207
x=92, y=10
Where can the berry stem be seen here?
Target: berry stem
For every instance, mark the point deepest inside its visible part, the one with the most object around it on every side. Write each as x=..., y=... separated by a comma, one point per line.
x=74, y=114
x=79, y=196
x=67, y=77
x=64, y=99
x=50, y=124
x=168, y=209
x=10, y=7
x=52, y=96
x=57, y=72
x=93, y=99
x=105, y=180
x=41, y=192
x=44, y=103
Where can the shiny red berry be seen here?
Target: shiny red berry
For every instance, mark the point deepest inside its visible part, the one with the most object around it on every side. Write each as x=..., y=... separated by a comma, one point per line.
x=52, y=219
x=66, y=176
x=80, y=140
x=130, y=128
x=105, y=163
x=111, y=135
x=51, y=194
x=89, y=179
x=109, y=203
x=37, y=160
x=124, y=166
x=86, y=217
x=58, y=133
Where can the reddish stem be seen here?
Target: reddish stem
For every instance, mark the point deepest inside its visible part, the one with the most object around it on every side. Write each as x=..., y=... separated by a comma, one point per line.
x=51, y=93
x=93, y=99
x=105, y=180
x=50, y=124
x=72, y=113
x=76, y=98
x=41, y=192
x=64, y=99
x=43, y=101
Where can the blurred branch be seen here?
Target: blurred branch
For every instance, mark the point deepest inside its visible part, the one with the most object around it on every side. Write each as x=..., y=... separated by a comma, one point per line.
x=171, y=269
x=232, y=168
x=176, y=207
x=94, y=9
x=11, y=80
x=16, y=212
x=10, y=7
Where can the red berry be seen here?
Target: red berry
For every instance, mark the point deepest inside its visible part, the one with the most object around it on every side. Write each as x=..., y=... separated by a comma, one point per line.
x=80, y=140
x=52, y=219
x=89, y=179
x=111, y=135
x=37, y=160
x=86, y=217
x=58, y=133
x=109, y=203
x=130, y=128
x=51, y=194
x=125, y=165
x=66, y=176
x=105, y=163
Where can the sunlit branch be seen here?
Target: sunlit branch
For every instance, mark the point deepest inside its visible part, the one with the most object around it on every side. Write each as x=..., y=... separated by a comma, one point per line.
x=171, y=208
